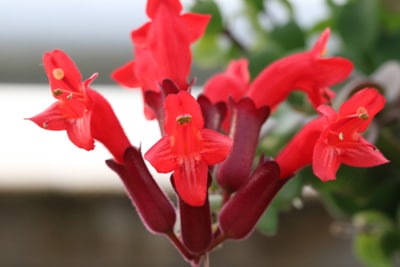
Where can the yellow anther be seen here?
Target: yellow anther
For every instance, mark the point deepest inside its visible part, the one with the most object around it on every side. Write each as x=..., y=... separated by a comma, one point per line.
x=183, y=119
x=341, y=136
x=362, y=113
x=58, y=73
x=57, y=92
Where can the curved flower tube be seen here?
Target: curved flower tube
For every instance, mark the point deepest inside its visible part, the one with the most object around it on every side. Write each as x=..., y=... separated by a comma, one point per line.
x=335, y=139
x=305, y=71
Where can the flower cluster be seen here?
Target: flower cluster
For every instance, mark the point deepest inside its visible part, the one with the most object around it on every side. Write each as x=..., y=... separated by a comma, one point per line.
x=211, y=139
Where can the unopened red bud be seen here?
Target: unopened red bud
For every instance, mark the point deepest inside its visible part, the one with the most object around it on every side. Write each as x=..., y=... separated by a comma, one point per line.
x=153, y=206
x=246, y=122
x=213, y=114
x=195, y=226
x=240, y=214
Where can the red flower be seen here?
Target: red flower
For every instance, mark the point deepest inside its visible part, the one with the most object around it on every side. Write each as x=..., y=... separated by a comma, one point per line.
x=341, y=142
x=334, y=138
x=162, y=48
x=306, y=71
x=81, y=111
x=231, y=83
x=188, y=148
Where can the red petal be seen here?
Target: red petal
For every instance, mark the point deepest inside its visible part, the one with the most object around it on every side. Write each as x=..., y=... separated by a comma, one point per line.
x=180, y=104
x=233, y=82
x=326, y=161
x=58, y=59
x=125, y=75
x=320, y=45
x=139, y=36
x=196, y=24
x=190, y=180
x=79, y=131
x=160, y=156
x=363, y=155
x=51, y=119
x=174, y=6
x=368, y=98
x=216, y=146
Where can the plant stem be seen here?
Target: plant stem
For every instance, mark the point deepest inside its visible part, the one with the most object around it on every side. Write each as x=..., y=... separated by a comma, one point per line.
x=181, y=248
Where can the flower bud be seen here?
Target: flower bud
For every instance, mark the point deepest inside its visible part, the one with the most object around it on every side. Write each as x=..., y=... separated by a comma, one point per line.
x=240, y=214
x=246, y=122
x=213, y=114
x=152, y=205
x=195, y=226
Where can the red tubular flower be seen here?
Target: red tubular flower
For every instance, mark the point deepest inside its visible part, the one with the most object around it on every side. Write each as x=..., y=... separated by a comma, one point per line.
x=335, y=138
x=188, y=148
x=153, y=206
x=162, y=48
x=298, y=153
x=341, y=142
x=81, y=111
x=306, y=71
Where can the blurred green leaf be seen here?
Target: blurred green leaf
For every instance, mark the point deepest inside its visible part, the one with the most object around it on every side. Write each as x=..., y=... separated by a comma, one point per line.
x=208, y=53
x=215, y=25
x=357, y=23
x=268, y=223
x=368, y=249
x=288, y=36
x=255, y=5
x=374, y=231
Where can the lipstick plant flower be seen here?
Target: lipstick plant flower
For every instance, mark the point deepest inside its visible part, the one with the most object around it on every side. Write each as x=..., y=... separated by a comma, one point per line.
x=222, y=181
x=188, y=148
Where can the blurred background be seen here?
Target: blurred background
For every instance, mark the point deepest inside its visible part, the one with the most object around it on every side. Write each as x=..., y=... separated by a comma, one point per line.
x=61, y=206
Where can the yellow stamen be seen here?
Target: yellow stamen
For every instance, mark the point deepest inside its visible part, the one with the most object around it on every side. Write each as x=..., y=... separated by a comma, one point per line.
x=57, y=92
x=58, y=73
x=362, y=113
x=183, y=119
x=341, y=136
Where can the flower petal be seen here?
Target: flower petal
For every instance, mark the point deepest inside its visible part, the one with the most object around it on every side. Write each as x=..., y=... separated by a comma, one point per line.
x=368, y=99
x=216, y=146
x=125, y=75
x=79, y=131
x=69, y=76
x=196, y=24
x=161, y=157
x=181, y=104
x=326, y=161
x=51, y=119
x=190, y=179
x=363, y=154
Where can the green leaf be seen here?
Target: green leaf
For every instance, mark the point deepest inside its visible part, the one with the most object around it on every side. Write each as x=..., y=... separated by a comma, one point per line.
x=255, y=5
x=215, y=25
x=208, y=53
x=289, y=36
x=357, y=23
x=268, y=223
x=369, y=250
